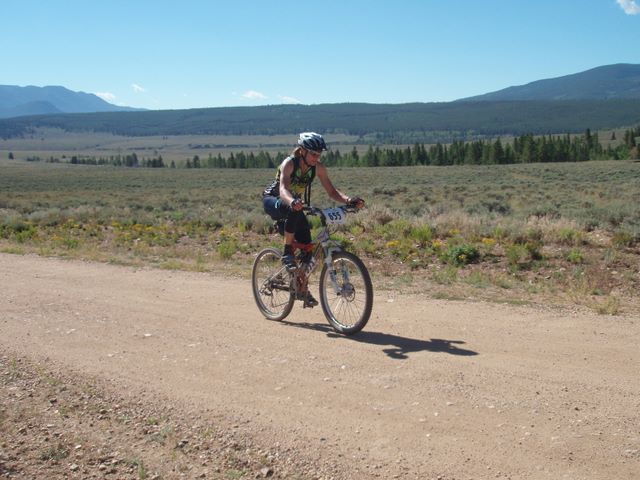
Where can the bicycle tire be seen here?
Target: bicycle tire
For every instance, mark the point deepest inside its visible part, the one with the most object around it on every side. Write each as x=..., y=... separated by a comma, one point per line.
x=348, y=310
x=271, y=283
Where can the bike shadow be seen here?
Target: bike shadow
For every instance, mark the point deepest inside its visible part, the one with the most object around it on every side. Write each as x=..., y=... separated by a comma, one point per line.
x=399, y=347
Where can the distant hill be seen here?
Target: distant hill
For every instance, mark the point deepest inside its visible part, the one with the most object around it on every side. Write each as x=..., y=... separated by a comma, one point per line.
x=374, y=123
x=20, y=101
x=601, y=98
x=618, y=81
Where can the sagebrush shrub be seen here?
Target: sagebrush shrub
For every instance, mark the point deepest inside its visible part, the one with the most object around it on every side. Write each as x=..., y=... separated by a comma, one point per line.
x=460, y=255
x=575, y=256
x=422, y=234
x=570, y=236
x=622, y=238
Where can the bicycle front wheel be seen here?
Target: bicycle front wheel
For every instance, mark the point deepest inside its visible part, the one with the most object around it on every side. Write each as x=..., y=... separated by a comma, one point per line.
x=346, y=293
x=271, y=284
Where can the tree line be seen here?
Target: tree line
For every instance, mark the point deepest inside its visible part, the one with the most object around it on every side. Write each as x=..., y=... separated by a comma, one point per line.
x=130, y=160
x=523, y=149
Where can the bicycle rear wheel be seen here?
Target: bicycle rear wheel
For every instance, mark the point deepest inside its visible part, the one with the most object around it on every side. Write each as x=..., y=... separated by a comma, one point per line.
x=271, y=285
x=347, y=303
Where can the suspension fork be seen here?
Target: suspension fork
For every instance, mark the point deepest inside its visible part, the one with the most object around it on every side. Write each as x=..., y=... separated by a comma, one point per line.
x=328, y=260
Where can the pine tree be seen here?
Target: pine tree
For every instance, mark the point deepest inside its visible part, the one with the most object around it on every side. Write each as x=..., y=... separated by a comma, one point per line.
x=497, y=152
x=354, y=155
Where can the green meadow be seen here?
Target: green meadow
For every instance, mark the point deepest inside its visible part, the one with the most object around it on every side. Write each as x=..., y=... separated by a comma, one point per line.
x=558, y=233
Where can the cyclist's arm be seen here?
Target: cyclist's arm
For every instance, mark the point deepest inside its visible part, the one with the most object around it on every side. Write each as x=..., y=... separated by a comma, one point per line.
x=285, y=181
x=333, y=192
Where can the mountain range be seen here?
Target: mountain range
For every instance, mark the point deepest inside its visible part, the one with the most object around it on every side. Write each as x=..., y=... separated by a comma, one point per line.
x=601, y=98
x=617, y=81
x=22, y=101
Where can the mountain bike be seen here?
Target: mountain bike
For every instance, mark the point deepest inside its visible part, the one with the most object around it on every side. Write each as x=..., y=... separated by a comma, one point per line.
x=346, y=292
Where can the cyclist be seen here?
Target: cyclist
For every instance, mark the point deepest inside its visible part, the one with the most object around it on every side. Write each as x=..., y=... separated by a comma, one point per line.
x=285, y=197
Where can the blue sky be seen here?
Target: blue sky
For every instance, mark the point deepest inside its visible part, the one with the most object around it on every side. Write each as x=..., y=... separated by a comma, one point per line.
x=189, y=54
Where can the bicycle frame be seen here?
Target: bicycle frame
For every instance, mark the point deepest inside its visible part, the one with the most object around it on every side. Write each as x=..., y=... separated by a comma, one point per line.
x=321, y=246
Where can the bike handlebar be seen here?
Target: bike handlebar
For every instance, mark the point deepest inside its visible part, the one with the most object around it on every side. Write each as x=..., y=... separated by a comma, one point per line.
x=311, y=210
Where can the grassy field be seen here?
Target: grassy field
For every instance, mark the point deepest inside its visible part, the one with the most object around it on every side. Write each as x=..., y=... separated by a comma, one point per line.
x=47, y=142
x=559, y=233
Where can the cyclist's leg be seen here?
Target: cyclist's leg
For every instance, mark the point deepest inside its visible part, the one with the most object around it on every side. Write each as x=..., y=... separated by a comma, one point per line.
x=295, y=223
x=302, y=230
x=287, y=220
x=273, y=207
x=303, y=235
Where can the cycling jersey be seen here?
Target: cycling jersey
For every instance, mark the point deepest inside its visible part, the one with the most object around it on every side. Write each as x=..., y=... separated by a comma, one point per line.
x=300, y=184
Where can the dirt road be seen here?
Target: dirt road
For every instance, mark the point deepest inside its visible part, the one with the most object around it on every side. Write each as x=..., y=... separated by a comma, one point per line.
x=430, y=388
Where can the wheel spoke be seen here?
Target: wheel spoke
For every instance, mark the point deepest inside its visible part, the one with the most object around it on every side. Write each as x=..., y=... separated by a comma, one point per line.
x=271, y=285
x=349, y=309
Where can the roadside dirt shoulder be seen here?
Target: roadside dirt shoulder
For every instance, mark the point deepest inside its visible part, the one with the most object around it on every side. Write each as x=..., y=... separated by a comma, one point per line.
x=56, y=424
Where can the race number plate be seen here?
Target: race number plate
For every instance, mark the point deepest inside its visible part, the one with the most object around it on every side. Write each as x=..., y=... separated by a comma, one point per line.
x=334, y=216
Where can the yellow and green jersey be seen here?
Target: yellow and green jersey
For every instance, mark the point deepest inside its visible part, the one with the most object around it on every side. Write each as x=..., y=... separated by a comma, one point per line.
x=300, y=184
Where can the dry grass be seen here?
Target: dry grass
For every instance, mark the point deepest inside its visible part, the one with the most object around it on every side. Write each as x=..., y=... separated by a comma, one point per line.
x=545, y=233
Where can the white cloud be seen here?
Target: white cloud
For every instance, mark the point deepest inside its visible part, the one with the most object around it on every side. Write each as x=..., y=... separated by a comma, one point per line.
x=106, y=96
x=253, y=95
x=285, y=99
x=137, y=88
x=630, y=7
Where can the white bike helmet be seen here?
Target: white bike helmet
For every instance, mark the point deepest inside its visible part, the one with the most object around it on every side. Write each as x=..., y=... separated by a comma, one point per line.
x=312, y=141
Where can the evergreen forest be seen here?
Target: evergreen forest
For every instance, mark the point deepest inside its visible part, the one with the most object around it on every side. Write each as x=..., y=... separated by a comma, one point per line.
x=523, y=149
